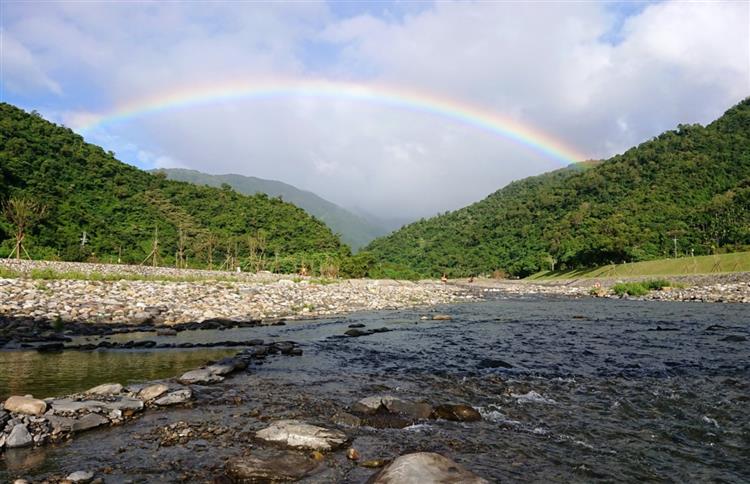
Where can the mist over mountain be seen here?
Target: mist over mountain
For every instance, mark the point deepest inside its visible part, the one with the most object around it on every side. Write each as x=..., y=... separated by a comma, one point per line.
x=356, y=230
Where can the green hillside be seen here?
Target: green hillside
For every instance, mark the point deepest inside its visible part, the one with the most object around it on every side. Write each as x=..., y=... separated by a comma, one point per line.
x=120, y=207
x=691, y=184
x=355, y=231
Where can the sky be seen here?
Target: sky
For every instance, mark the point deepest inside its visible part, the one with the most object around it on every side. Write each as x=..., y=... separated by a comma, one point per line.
x=592, y=77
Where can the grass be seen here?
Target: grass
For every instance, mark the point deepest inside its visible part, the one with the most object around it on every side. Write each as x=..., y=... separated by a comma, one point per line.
x=641, y=288
x=51, y=275
x=707, y=264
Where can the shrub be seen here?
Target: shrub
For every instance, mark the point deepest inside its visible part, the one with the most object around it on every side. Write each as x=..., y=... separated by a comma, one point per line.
x=630, y=288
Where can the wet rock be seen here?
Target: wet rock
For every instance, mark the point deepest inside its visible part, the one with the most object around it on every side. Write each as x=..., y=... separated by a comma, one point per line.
x=456, y=413
x=352, y=454
x=734, y=338
x=153, y=391
x=176, y=397
x=124, y=404
x=493, y=363
x=374, y=463
x=60, y=424
x=441, y=317
x=425, y=468
x=166, y=332
x=226, y=366
x=25, y=405
x=294, y=433
x=88, y=422
x=346, y=419
x=105, y=389
x=371, y=406
x=19, y=437
x=355, y=333
x=202, y=375
x=50, y=347
x=357, y=325
x=287, y=466
x=80, y=476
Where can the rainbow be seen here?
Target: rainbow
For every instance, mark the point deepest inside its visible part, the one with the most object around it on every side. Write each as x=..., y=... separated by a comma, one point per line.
x=396, y=97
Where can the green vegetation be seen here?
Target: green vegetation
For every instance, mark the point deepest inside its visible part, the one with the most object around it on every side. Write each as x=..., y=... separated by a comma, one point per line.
x=691, y=184
x=125, y=211
x=355, y=231
x=707, y=264
x=640, y=288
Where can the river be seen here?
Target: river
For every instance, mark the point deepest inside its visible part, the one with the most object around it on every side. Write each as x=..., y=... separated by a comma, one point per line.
x=569, y=390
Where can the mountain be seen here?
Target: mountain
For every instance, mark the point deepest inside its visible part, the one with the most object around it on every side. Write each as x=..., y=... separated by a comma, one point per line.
x=685, y=191
x=120, y=207
x=356, y=231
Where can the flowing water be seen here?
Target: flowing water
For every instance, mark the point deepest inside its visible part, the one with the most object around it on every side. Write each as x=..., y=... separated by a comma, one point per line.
x=570, y=390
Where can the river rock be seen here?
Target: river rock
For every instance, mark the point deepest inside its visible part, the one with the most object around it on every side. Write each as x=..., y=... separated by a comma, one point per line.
x=173, y=398
x=125, y=403
x=294, y=433
x=166, y=332
x=19, y=437
x=441, y=317
x=105, y=389
x=371, y=405
x=60, y=424
x=457, y=413
x=25, y=405
x=346, y=419
x=226, y=366
x=80, y=476
x=89, y=421
x=203, y=375
x=288, y=466
x=153, y=391
x=425, y=468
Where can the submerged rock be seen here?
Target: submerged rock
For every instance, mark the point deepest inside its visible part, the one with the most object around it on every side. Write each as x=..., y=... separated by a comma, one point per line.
x=288, y=466
x=19, y=437
x=425, y=468
x=441, y=317
x=294, y=433
x=457, y=413
x=25, y=405
x=371, y=406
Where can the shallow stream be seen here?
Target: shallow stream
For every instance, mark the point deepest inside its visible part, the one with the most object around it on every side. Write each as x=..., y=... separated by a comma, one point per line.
x=570, y=390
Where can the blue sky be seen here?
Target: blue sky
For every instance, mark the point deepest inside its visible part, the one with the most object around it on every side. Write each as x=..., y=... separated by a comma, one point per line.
x=596, y=76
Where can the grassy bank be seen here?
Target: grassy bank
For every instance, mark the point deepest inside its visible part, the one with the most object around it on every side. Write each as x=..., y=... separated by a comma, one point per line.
x=708, y=264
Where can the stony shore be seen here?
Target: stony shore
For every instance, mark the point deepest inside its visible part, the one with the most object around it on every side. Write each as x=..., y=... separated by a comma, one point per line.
x=714, y=288
x=203, y=295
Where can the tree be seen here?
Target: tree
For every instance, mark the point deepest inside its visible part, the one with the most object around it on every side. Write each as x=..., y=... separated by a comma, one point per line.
x=22, y=213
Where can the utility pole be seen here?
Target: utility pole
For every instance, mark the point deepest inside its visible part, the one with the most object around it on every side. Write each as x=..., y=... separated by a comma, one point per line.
x=84, y=239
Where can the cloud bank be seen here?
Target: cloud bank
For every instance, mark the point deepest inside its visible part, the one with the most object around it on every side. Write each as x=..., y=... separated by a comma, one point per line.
x=599, y=77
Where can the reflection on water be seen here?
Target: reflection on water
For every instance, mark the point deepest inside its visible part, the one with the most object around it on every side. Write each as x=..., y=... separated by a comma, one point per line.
x=54, y=374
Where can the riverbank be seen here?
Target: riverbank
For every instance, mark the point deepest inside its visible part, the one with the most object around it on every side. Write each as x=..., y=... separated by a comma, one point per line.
x=183, y=296
x=716, y=288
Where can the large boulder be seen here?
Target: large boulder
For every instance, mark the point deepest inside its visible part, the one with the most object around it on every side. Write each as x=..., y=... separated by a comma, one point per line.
x=25, y=405
x=288, y=466
x=425, y=468
x=19, y=437
x=296, y=434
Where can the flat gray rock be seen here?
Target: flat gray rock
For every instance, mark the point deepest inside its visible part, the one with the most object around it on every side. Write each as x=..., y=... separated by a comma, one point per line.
x=173, y=398
x=80, y=476
x=19, y=437
x=60, y=424
x=89, y=421
x=287, y=466
x=203, y=375
x=425, y=468
x=296, y=434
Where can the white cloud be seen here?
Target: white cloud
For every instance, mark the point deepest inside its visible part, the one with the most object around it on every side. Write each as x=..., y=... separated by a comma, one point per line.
x=548, y=65
x=21, y=71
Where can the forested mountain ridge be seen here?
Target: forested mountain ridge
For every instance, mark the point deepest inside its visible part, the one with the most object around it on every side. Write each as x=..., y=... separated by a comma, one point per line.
x=120, y=207
x=691, y=184
x=355, y=231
